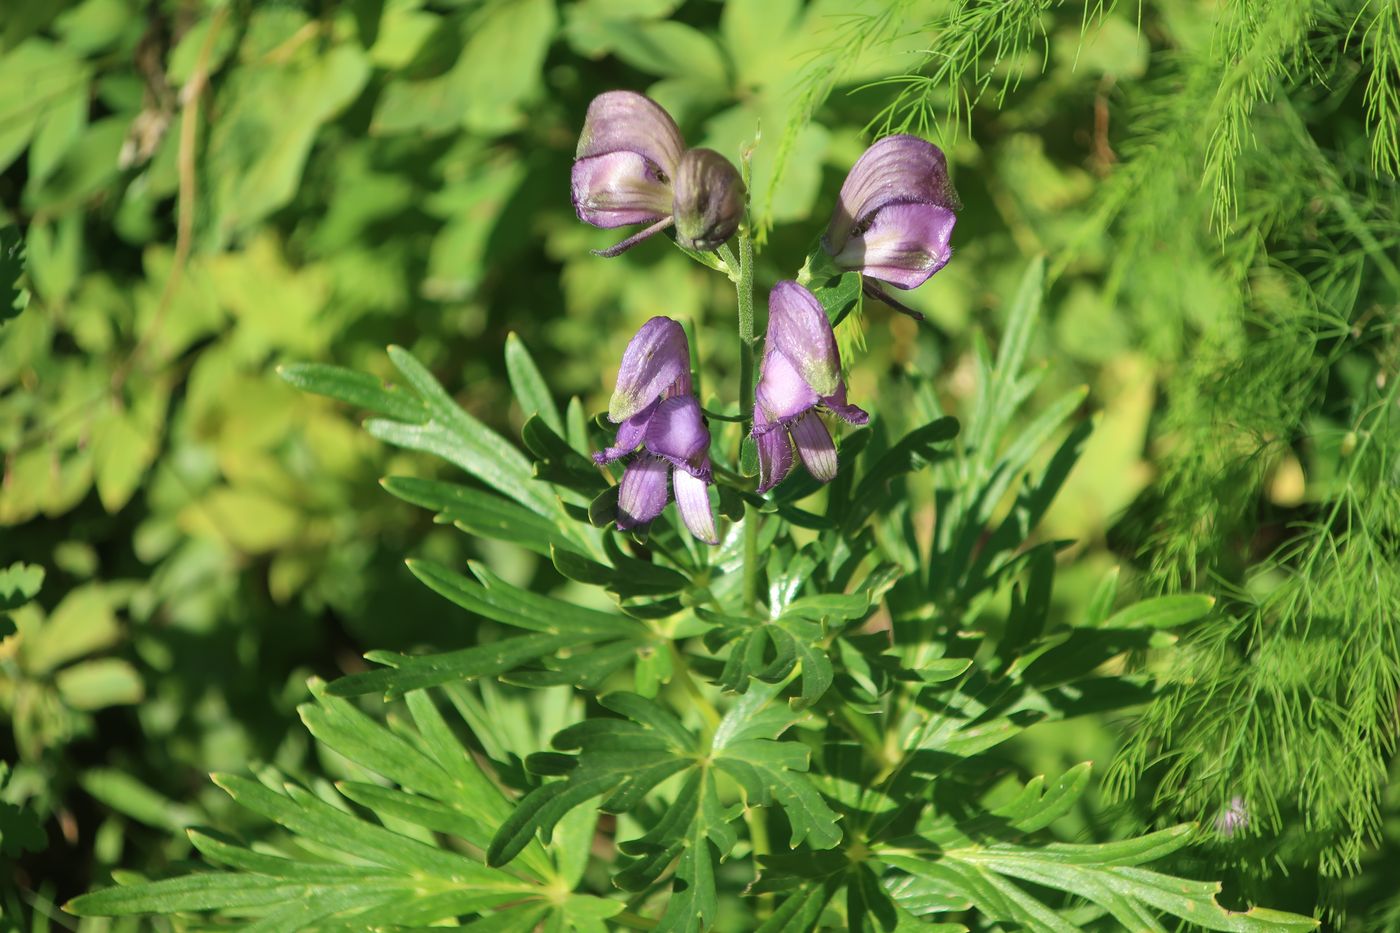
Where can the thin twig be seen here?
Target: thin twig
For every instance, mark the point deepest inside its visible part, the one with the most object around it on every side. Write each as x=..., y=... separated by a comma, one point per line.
x=190, y=96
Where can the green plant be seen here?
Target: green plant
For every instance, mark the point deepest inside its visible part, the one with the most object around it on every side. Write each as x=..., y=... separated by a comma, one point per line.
x=808, y=710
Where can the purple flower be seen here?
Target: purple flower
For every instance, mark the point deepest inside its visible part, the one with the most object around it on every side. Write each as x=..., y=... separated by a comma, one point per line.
x=632, y=167
x=1233, y=818
x=658, y=418
x=894, y=216
x=801, y=370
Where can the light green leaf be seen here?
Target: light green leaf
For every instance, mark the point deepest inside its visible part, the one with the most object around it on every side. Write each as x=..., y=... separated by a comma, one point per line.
x=19, y=583
x=1161, y=612
x=34, y=76
x=98, y=684
x=530, y=389
x=355, y=388
x=667, y=48
x=260, y=144
x=81, y=624
x=128, y=796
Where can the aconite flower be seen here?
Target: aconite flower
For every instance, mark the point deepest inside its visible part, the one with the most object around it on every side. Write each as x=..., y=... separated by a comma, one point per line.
x=894, y=216
x=660, y=425
x=800, y=374
x=632, y=167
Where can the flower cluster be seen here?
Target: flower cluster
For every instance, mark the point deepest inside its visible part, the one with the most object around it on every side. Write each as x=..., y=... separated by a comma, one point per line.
x=632, y=167
x=893, y=223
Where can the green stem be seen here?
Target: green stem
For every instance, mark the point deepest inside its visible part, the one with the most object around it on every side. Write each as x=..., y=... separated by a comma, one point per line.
x=744, y=290
x=687, y=679
x=754, y=818
x=746, y=337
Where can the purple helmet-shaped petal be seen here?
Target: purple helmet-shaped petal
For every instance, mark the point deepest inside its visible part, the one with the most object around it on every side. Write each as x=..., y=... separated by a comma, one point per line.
x=798, y=328
x=801, y=371
x=895, y=214
x=782, y=393
x=627, y=155
x=629, y=435
x=655, y=364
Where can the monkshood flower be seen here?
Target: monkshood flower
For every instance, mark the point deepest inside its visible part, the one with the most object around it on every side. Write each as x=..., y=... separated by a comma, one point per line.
x=800, y=373
x=894, y=216
x=660, y=423
x=632, y=167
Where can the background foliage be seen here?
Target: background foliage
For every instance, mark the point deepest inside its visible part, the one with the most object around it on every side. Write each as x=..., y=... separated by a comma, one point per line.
x=206, y=191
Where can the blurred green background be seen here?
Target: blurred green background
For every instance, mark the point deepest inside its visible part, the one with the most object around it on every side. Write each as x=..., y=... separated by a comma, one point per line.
x=205, y=190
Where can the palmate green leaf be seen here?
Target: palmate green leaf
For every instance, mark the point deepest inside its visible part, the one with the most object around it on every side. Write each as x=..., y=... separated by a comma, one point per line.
x=914, y=451
x=870, y=908
x=453, y=434
x=426, y=418
x=342, y=871
x=975, y=865
x=558, y=463
x=799, y=911
x=434, y=423
x=999, y=388
x=987, y=876
x=771, y=651
x=554, y=626
x=484, y=514
x=355, y=388
x=626, y=577
x=625, y=760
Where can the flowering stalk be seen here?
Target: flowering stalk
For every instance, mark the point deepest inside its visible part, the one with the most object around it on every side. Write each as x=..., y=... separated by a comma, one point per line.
x=745, y=294
x=743, y=288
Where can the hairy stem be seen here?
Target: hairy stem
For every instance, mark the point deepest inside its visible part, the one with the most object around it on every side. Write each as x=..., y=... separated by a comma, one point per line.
x=745, y=290
x=744, y=287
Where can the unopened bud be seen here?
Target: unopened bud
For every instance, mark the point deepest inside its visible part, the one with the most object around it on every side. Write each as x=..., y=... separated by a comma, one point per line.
x=709, y=200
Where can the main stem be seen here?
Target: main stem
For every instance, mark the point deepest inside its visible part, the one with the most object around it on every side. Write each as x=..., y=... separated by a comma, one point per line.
x=744, y=288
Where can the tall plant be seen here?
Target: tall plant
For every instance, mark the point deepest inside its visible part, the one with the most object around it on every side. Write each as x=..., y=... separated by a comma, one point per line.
x=777, y=706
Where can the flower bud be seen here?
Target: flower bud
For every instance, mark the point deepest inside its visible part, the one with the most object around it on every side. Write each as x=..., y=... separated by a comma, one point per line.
x=709, y=200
